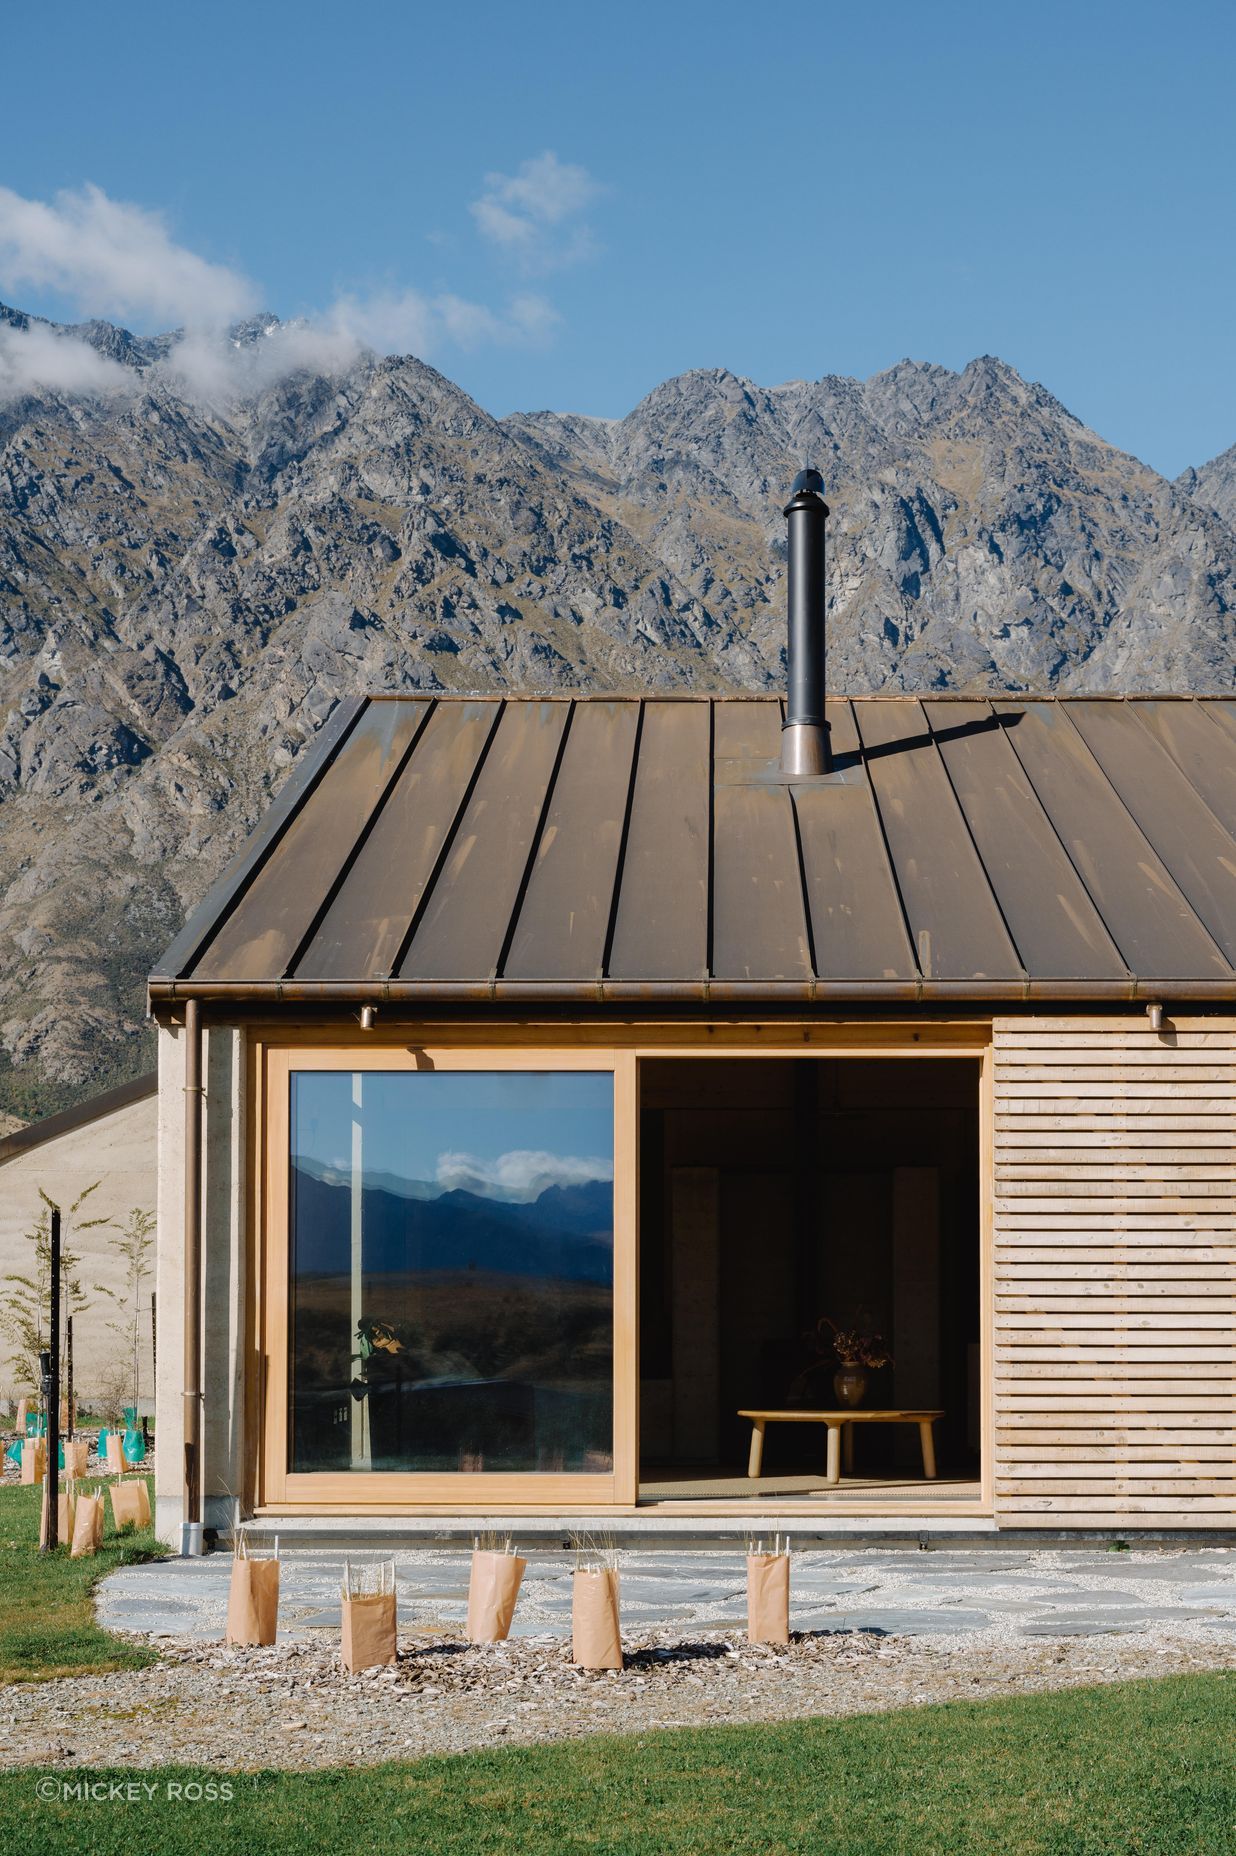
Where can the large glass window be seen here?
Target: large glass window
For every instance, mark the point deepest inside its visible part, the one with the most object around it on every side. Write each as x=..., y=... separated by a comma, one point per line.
x=451, y=1271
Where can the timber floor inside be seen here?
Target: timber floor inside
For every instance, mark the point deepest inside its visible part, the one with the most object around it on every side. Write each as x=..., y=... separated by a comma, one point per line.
x=712, y=1484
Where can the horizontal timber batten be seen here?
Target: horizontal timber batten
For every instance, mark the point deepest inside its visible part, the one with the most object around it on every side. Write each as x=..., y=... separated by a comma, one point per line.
x=1114, y=1264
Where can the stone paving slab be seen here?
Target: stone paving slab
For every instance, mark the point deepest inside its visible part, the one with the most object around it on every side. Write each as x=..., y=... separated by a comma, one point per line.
x=1031, y=1592
x=899, y=1623
x=1082, y=1623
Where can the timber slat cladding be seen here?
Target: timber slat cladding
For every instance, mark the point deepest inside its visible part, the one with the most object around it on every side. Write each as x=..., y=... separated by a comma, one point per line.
x=1114, y=1235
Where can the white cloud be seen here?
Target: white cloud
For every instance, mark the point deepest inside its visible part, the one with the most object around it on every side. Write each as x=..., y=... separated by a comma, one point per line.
x=209, y=366
x=114, y=259
x=522, y=1174
x=37, y=360
x=117, y=260
x=412, y=322
x=534, y=214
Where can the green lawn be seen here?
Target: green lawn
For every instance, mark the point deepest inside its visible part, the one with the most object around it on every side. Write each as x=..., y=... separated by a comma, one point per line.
x=47, y=1625
x=1136, y=1768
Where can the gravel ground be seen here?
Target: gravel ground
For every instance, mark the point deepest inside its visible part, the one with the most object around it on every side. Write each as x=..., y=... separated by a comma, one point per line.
x=879, y=1630
x=292, y=1706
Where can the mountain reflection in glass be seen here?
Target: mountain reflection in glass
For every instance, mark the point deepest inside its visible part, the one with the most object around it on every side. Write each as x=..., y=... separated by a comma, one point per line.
x=452, y=1266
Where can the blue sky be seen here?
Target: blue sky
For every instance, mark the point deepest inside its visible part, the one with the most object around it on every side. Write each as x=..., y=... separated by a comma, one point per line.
x=563, y=205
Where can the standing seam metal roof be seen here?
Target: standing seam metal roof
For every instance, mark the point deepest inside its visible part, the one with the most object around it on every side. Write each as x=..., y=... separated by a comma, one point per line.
x=611, y=847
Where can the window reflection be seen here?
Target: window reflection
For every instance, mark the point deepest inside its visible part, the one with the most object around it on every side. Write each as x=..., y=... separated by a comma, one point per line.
x=451, y=1271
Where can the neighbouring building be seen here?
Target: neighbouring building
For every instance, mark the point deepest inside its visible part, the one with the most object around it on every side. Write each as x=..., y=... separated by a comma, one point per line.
x=546, y=1073
x=109, y=1142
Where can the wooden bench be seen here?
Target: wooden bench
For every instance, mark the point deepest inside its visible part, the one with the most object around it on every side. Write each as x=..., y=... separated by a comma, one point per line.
x=840, y=1425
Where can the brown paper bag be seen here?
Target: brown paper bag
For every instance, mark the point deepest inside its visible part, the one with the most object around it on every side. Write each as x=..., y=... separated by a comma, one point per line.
x=116, y=1464
x=33, y=1460
x=87, y=1525
x=130, y=1504
x=596, y=1639
x=65, y=1508
x=253, y=1601
x=369, y=1631
x=76, y=1456
x=768, y=1597
x=492, y=1590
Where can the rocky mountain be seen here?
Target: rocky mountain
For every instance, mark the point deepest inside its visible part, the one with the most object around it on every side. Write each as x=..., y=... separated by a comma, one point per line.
x=1214, y=485
x=190, y=579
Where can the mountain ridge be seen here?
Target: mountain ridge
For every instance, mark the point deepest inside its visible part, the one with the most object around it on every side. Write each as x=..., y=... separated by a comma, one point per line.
x=189, y=584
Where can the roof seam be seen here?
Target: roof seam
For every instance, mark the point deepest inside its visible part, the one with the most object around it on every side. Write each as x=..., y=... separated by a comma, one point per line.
x=808, y=925
x=444, y=850
x=620, y=861
x=521, y=892
x=1203, y=707
x=1163, y=748
x=1151, y=847
x=889, y=859
x=982, y=864
x=236, y=880
x=362, y=837
x=1052, y=827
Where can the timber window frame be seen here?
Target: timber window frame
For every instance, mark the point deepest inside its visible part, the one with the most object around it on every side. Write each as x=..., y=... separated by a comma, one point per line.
x=280, y=1488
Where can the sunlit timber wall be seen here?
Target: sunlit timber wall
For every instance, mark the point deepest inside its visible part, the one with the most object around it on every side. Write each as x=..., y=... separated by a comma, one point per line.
x=1115, y=1272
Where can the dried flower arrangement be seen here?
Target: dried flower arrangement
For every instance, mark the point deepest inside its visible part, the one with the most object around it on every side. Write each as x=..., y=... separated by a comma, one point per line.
x=851, y=1346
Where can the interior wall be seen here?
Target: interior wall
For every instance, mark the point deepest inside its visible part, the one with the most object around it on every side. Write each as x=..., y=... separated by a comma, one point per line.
x=775, y=1192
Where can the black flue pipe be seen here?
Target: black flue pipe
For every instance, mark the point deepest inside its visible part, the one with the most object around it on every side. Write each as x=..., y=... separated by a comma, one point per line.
x=804, y=739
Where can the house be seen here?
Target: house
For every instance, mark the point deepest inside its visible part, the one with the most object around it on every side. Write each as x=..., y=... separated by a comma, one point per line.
x=547, y=1072
x=107, y=1142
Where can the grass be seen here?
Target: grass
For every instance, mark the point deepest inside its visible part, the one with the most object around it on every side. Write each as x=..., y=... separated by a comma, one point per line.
x=47, y=1625
x=1135, y=1769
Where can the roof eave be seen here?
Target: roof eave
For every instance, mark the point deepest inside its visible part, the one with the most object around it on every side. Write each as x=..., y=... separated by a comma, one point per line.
x=702, y=991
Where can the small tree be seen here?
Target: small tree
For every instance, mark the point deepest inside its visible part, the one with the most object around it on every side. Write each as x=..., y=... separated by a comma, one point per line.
x=25, y=1299
x=134, y=1245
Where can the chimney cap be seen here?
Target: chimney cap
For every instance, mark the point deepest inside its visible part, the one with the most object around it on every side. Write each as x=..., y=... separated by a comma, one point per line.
x=806, y=489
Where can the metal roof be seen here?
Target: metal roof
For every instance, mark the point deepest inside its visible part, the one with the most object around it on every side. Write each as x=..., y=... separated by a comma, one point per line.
x=589, y=848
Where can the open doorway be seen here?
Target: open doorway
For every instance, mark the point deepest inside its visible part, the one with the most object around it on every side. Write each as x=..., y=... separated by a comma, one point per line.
x=777, y=1196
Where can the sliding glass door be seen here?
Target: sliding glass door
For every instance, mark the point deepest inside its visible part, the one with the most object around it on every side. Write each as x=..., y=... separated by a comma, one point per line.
x=442, y=1275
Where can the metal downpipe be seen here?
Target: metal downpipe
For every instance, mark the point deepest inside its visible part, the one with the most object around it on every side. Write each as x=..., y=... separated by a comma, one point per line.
x=191, y=1528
